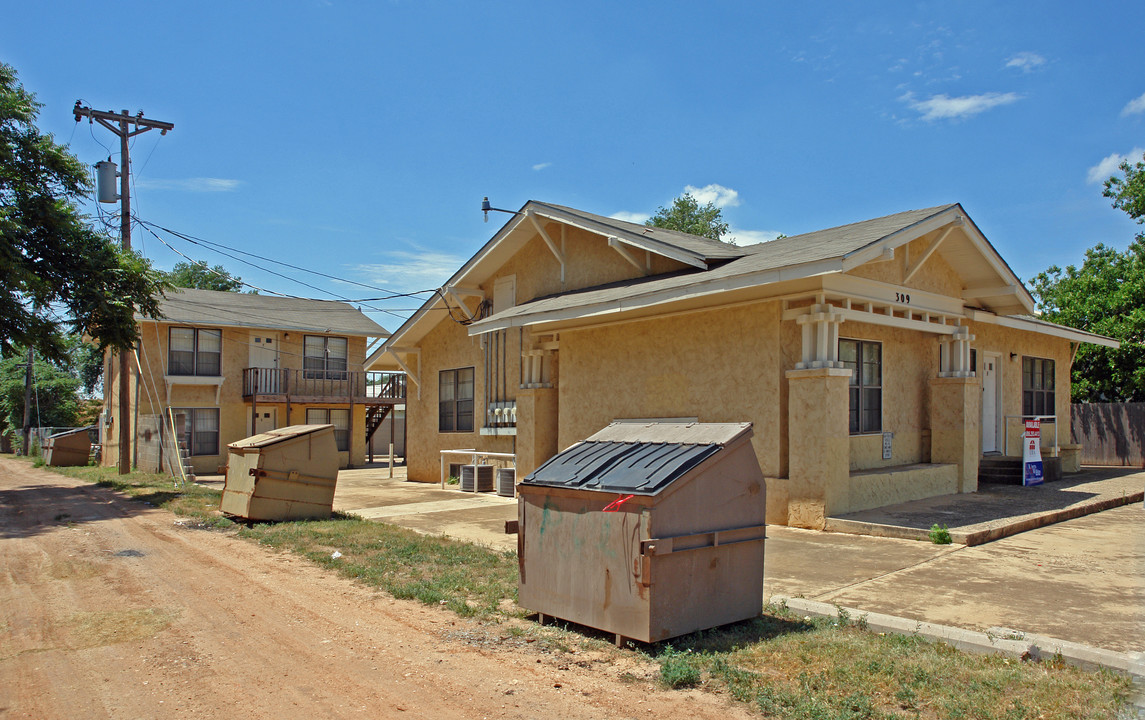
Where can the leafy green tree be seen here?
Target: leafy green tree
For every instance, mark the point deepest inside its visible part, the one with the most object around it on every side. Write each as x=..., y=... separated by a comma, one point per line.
x=55, y=398
x=1106, y=295
x=203, y=277
x=1128, y=193
x=51, y=260
x=687, y=215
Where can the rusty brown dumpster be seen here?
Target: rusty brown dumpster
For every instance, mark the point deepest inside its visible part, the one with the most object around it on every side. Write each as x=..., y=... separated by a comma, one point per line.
x=284, y=474
x=66, y=449
x=646, y=531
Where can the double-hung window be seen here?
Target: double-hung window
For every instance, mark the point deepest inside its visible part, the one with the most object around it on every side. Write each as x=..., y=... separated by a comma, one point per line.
x=194, y=351
x=1037, y=386
x=324, y=357
x=865, y=360
x=339, y=418
x=455, y=400
x=200, y=430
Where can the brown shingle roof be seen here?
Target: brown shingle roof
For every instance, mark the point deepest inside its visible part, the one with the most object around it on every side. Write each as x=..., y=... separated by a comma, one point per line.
x=227, y=309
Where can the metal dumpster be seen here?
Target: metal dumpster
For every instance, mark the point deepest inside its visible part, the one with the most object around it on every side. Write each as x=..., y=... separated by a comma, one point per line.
x=68, y=448
x=648, y=531
x=284, y=474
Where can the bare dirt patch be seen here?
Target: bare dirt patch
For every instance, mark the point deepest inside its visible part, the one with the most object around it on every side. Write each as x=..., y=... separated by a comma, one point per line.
x=109, y=608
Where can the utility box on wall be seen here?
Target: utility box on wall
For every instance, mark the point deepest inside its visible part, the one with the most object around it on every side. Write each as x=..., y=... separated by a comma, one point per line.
x=284, y=474
x=648, y=531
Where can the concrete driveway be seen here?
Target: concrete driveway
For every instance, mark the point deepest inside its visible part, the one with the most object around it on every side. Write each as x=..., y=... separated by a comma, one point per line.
x=1081, y=580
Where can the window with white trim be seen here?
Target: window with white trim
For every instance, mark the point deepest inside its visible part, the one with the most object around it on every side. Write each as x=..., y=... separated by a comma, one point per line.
x=194, y=351
x=324, y=357
x=865, y=360
x=338, y=417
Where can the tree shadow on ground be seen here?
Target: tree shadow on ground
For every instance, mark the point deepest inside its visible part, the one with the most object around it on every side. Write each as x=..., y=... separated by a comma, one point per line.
x=31, y=510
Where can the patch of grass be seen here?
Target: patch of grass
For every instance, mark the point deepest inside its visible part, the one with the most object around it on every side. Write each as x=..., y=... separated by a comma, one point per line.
x=939, y=534
x=468, y=579
x=678, y=669
x=189, y=500
x=824, y=668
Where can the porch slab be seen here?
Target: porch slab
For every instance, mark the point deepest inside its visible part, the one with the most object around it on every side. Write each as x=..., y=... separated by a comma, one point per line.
x=997, y=511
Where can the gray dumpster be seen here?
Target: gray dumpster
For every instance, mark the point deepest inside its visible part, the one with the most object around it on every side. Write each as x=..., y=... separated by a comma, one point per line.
x=647, y=531
x=284, y=474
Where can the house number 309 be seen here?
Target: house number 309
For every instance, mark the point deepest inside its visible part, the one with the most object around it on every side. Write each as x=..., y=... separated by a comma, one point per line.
x=902, y=298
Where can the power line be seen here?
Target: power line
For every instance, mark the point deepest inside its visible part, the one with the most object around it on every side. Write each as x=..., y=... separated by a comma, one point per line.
x=343, y=298
x=197, y=240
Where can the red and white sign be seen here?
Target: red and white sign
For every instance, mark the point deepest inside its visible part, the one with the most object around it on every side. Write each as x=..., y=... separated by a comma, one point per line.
x=1032, y=453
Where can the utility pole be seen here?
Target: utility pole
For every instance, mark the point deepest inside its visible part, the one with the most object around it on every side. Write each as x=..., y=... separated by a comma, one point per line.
x=122, y=125
x=27, y=403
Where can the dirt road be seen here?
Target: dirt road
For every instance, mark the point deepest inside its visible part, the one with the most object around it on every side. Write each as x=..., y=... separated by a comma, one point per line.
x=110, y=609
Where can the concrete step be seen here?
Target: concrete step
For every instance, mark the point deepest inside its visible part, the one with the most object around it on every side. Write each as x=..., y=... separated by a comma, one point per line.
x=1004, y=470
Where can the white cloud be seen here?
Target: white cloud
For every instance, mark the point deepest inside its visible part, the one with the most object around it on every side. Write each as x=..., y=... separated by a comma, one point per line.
x=409, y=271
x=1135, y=106
x=201, y=184
x=739, y=236
x=944, y=107
x=1109, y=166
x=542, y=166
x=632, y=217
x=1026, y=61
x=717, y=195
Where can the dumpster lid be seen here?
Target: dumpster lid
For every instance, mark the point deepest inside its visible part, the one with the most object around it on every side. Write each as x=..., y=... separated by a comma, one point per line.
x=637, y=458
x=71, y=431
x=272, y=437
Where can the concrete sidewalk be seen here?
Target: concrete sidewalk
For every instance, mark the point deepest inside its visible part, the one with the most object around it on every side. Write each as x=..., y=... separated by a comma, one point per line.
x=1080, y=579
x=998, y=511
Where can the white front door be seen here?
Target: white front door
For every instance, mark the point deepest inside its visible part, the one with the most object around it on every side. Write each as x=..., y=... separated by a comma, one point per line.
x=264, y=356
x=264, y=421
x=991, y=365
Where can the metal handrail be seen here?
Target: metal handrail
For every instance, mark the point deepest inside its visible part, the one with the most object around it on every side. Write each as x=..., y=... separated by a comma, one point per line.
x=324, y=383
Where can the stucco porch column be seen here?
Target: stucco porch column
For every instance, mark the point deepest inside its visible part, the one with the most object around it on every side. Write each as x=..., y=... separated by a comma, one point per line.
x=819, y=445
x=536, y=428
x=955, y=414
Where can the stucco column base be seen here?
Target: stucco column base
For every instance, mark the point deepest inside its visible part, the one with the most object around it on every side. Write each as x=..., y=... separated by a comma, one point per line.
x=536, y=428
x=819, y=445
x=955, y=417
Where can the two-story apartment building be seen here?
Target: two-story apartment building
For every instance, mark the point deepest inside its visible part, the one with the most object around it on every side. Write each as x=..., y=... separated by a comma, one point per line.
x=221, y=366
x=878, y=361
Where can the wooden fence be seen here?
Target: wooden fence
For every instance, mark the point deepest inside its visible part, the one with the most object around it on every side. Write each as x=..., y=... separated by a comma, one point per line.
x=1109, y=433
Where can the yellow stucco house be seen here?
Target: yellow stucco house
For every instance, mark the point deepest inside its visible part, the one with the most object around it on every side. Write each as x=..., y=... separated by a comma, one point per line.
x=221, y=366
x=878, y=361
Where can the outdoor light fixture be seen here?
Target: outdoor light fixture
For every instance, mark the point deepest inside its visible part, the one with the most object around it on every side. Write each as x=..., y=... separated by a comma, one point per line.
x=1013, y=356
x=487, y=208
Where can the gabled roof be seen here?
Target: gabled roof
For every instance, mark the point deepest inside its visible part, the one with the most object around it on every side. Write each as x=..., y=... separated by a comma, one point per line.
x=227, y=309
x=699, y=252
x=839, y=241
x=645, y=237
x=834, y=250
x=723, y=271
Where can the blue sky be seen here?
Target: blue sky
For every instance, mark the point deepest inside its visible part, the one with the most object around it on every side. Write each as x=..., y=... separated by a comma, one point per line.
x=358, y=138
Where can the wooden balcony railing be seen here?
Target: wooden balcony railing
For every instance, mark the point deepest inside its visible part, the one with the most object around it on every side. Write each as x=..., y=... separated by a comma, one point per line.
x=284, y=385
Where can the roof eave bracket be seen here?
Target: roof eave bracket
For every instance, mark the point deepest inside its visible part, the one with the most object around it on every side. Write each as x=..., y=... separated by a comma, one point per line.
x=560, y=256
x=623, y=248
x=914, y=268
